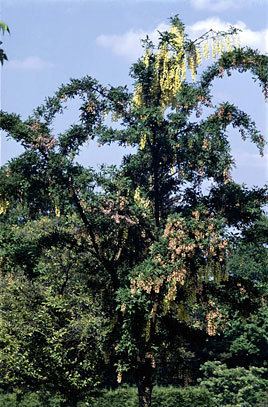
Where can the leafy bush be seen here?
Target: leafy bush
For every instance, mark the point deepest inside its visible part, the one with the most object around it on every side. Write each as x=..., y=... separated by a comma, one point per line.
x=186, y=397
x=162, y=397
x=29, y=400
x=122, y=397
x=125, y=397
x=220, y=387
x=237, y=387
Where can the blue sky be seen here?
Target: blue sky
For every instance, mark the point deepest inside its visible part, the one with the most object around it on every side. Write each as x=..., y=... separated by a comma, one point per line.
x=52, y=41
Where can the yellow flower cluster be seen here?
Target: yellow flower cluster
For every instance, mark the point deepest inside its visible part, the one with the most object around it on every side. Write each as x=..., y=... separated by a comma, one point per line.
x=57, y=211
x=181, y=246
x=175, y=278
x=154, y=285
x=4, y=204
x=192, y=65
x=137, y=97
x=143, y=141
x=206, y=144
x=205, y=50
x=148, y=285
x=169, y=67
x=171, y=71
x=178, y=35
x=218, y=45
x=139, y=200
x=119, y=377
x=169, y=64
x=213, y=318
x=146, y=58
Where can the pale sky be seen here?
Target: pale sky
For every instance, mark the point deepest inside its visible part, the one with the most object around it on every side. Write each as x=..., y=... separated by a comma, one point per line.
x=52, y=41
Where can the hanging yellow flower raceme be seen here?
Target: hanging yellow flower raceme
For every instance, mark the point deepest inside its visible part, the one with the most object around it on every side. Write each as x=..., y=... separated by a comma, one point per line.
x=228, y=44
x=137, y=98
x=214, y=49
x=219, y=47
x=178, y=36
x=139, y=200
x=192, y=67
x=165, y=70
x=143, y=141
x=206, y=52
x=169, y=65
x=198, y=57
x=57, y=211
x=119, y=377
x=146, y=58
x=4, y=204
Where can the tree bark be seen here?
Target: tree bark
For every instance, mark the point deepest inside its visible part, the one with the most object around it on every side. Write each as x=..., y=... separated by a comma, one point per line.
x=71, y=401
x=145, y=384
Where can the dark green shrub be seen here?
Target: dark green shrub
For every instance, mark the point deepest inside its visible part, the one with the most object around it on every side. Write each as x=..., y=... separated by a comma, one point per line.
x=29, y=400
x=237, y=387
x=8, y=400
x=162, y=397
x=125, y=397
x=221, y=387
x=186, y=397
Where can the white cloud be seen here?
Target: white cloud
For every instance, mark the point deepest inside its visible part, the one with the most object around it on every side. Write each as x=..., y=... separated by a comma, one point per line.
x=129, y=44
x=31, y=63
x=222, y=5
x=214, y=5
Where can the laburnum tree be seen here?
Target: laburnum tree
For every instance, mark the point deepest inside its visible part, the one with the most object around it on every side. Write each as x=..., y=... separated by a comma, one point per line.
x=145, y=240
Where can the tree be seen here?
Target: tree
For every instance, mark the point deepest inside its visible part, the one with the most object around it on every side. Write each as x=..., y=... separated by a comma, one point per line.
x=157, y=243
x=246, y=333
x=53, y=331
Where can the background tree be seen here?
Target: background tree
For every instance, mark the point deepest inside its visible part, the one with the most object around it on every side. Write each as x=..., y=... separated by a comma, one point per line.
x=150, y=244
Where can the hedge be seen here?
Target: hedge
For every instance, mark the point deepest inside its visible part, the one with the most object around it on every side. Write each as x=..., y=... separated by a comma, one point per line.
x=127, y=397
x=122, y=397
x=162, y=397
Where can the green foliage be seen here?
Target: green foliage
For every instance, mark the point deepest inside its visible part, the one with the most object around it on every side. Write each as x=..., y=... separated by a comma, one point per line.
x=187, y=397
x=162, y=397
x=223, y=387
x=50, y=340
x=249, y=258
x=17, y=399
x=125, y=396
x=246, y=338
x=234, y=387
x=122, y=397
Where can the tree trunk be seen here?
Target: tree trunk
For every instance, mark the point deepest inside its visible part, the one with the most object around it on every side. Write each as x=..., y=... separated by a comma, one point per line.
x=71, y=400
x=145, y=384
